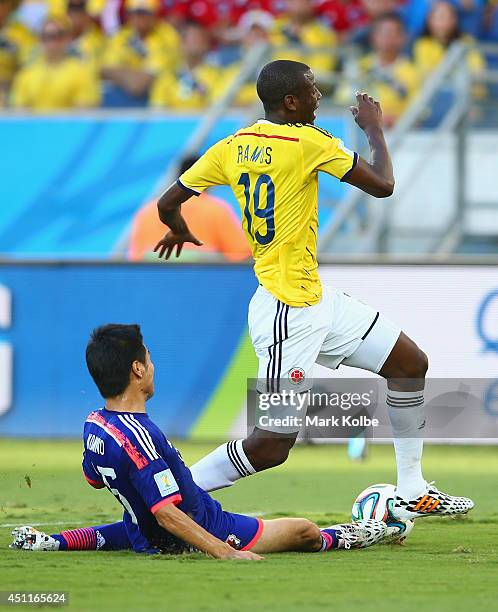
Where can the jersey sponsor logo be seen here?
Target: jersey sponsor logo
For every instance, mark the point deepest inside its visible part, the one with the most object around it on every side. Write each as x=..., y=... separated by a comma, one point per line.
x=296, y=375
x=233, y=541
x=166, y=482
x=95, y=444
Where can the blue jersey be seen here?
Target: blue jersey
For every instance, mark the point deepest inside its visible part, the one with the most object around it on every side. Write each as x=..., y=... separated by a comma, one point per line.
x=127, y=453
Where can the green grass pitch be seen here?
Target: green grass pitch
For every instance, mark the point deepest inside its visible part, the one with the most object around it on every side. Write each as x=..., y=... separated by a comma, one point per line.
x=445, y=565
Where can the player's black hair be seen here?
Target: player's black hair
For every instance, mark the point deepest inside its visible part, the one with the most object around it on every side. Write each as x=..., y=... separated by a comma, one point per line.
x=391, y=16
x=279, y=79
x=457, y=32
x=110, y=353
x=186, y=163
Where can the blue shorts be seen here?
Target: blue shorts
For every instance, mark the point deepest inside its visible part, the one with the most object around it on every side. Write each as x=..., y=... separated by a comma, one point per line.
x=240, y=531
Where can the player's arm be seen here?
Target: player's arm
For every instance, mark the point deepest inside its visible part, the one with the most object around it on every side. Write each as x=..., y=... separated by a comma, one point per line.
x=93, y=478
x=182, y=526
x=206, y=172
x=375, y=177
x=169, y=209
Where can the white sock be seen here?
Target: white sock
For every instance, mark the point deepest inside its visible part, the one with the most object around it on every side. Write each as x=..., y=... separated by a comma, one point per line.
x=407, y=416
x=222, y=467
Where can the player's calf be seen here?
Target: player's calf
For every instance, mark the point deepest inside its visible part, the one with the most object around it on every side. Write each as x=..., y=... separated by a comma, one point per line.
x=301, y=535
x=288, y=534
x=266, y=449
x=237, y=459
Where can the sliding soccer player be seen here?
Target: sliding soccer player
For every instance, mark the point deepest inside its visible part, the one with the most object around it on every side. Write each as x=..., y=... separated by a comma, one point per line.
x=272, y=167
x=164, y=510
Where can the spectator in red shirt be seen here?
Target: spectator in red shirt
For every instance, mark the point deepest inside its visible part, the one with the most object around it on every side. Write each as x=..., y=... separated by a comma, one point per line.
x=342, y=15
x=373, y=10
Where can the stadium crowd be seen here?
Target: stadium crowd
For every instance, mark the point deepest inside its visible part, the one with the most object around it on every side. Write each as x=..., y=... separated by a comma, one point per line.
x=182, y=54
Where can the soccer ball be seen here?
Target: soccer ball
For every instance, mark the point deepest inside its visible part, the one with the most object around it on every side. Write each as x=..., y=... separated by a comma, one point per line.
x=376, y=502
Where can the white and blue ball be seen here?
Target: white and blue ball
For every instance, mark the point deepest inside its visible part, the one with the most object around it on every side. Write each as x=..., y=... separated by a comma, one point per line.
x=376, y=502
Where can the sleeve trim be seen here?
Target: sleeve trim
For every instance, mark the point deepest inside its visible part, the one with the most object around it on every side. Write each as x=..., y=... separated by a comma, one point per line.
x=95, y=483
x=190, y=191
x=355, y=161
x=172, y=499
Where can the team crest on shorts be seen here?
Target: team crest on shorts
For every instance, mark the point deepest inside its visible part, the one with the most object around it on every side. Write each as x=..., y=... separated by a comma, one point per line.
x=233, y=541
x=296, y=375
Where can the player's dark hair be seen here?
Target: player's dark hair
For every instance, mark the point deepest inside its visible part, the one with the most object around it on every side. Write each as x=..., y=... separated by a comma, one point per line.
x=110, y=353
x=457, y=32
x=391, y=16
x=186, y=163
x=279, y=79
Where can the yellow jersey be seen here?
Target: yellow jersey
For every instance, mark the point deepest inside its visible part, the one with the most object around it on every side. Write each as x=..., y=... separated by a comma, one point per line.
x=394, y=85
x=428, y=53
x=158, y=51
x=16, y=46
x=304, y=44
x=273, y=172
x=70, y=83
x=186, y=89
x=89, y=46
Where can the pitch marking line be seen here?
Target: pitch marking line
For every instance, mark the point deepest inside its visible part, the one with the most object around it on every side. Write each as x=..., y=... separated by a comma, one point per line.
x=42, y=524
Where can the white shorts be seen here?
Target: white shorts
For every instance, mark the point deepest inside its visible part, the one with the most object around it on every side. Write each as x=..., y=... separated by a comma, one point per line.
x=339, y=329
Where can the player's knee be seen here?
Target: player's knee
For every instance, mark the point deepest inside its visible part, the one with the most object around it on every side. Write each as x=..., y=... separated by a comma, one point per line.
x=418, y=366
x=414, y=367
x=309, y=535
x=424, y=362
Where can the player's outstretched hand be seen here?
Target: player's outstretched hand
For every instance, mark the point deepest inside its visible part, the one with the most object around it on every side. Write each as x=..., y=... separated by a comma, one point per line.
x=367, y=113
x=242, y=555
x=165, y=246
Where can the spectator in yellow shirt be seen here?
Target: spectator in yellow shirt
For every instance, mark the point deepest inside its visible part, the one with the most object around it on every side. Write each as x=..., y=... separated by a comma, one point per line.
x=142, y=49
x=442, y=29
x=386, y=73
x=16, y=45
x=195, y=83
x=88, y=40
x=300, y=28
x=253, y=29
x=55, y=80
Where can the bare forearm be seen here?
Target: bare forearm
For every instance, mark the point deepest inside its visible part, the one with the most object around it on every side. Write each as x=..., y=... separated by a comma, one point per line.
x=183, y=527
x=169, y=209
x=174, y=220
x=380, y=160
x=376, y=176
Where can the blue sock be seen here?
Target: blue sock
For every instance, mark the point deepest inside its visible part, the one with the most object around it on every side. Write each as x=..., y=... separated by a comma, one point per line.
x=62, y=541
x=329, y=539
x=103, y=537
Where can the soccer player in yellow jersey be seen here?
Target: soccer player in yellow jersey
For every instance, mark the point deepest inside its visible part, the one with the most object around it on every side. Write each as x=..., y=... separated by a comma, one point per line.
x=272, y=167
